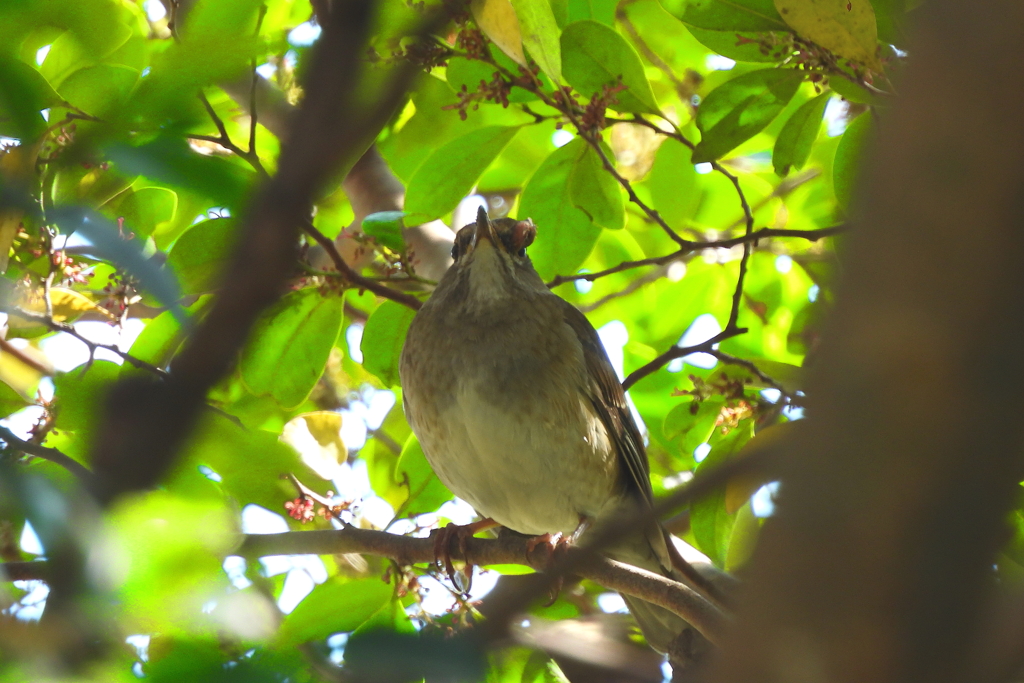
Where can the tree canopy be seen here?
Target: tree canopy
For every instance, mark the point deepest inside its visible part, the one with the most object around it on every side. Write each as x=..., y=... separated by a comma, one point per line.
x=217, y=220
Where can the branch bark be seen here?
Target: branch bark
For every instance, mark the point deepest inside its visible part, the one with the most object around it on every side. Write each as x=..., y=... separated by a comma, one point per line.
x=510, y=549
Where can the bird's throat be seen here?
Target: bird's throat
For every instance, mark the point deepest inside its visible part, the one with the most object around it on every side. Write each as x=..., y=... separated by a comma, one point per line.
x=488, y=275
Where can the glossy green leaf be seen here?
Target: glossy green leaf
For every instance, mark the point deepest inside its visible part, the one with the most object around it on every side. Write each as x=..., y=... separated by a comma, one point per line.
x=710, y=521
x=23, y=93
x=522, y=665
x=733, y=15
x=160, y=338
x=675, y=191
x=10, y=400
x=690, y=428
x=334, y=606
x=171, y=161
x=740, y=108
x=565, y=234
x=602, y=11
x=540, y=35
x=595, y=56
x=383, y=338
x=108, y=243
x=200, y=257
x=846, y=167
x=288, y=349
x=793, y=146
x=173, y=550
x=147, y=209
x=227, y=449
x=595, y=192
x=450, y=172
x=743, y=46
x=386, y=227
x=426, y=493
x=846, y=27
x=98, y=89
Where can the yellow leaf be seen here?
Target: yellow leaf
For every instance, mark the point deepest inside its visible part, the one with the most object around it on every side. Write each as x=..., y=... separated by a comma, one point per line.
x=739, y=489
x=9, y=222
x=497, y=19
x=317, y=438
x=21, y=376
x=67, y=305
x=845, y=27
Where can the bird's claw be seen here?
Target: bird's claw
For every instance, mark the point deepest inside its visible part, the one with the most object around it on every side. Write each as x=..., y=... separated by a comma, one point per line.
x=460, y=534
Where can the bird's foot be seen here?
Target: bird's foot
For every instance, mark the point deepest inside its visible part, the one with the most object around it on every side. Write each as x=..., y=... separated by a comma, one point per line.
x=555, y=547
x=459, y=534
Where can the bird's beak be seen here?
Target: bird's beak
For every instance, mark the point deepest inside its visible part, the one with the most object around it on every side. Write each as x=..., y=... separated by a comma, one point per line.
x=484, y=229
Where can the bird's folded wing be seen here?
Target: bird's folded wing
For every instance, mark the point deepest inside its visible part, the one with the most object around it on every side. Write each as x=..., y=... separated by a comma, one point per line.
x=609, y=401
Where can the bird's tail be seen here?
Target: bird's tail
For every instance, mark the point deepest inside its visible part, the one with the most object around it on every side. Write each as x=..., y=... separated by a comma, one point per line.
x=663, y=629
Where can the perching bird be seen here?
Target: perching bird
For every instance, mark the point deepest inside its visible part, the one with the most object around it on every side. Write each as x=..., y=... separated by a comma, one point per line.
x=519, y=411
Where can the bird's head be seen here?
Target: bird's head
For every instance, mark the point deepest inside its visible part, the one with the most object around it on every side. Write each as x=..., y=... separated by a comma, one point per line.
x=490, y=257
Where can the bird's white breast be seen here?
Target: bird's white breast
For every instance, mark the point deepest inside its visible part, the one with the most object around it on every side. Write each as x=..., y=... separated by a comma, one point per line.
x=535, y=470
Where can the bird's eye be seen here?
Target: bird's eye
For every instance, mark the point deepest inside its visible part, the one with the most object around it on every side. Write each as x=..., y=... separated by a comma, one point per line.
x=522, y=253
x=455, y=252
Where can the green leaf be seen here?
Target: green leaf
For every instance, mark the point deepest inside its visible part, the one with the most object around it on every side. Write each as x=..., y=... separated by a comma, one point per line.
x=595, y=55
x=710, y=521
x=565, y=234
x=597, y=10
x=383, y=338
x=743, y=46
x=170, y=160
x=594, y=191
x=740, y=108
x=426, y=493
x=673, y=183
x=227, y=448
x=160, y=338
x=289, y=346
x=793, y=146
x=99, y=89
x=200, y=256
x=145, y=210
x=522, y=665
x=692, y=427
x=386, y=227
x=173, y=550
x=845, y=27
x=23, y=93
x=846, y=167
x=107, y=242
x=733, y=15
x=450, y=172
x=540, y=35
x=332, y=607
x=10, y=400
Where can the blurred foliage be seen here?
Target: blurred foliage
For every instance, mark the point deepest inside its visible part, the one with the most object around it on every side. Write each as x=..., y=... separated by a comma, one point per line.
x=114, y=123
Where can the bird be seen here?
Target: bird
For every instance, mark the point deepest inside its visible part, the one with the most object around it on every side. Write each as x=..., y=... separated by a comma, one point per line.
x=519, y=411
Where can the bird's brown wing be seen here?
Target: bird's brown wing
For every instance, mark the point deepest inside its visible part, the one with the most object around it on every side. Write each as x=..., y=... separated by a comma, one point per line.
x=609, y=401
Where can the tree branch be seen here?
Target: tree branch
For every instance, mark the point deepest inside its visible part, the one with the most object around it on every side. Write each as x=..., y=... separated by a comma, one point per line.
x=754, y=237
x=510, y=549
x=50, y=454
x=355, y=278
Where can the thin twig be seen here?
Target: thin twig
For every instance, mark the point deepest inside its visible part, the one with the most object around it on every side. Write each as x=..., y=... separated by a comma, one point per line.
x=355, y=278
x=626, y=185
x=756, y=236
x=93, y=346
x=224, y=140
x=45, y=453
x=679, y=352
